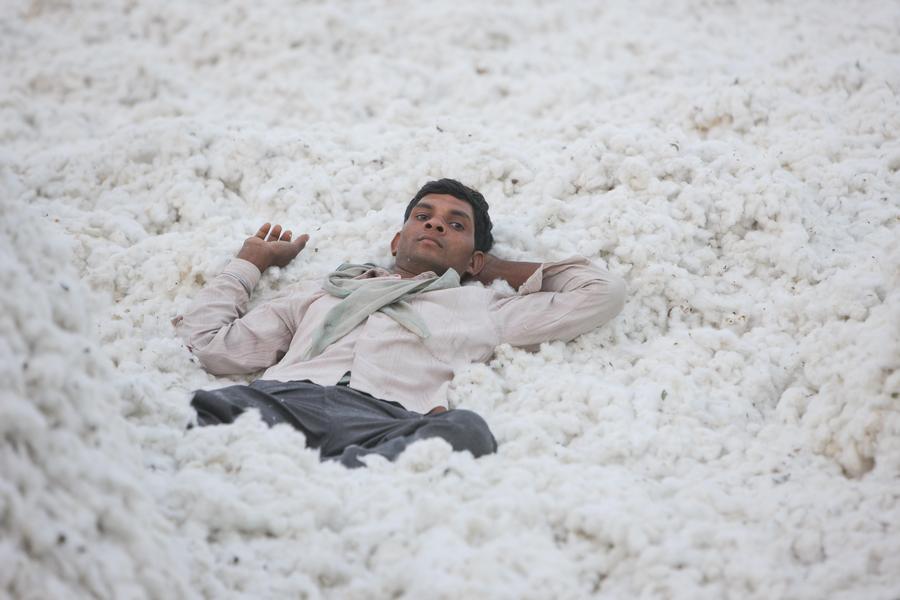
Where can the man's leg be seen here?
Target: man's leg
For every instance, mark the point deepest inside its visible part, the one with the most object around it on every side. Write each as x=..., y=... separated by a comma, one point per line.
x=342, y=422
x=373, y=426
x=298, y=403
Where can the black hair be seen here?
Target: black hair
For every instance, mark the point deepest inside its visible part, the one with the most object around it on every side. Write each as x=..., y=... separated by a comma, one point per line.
x=484, y=240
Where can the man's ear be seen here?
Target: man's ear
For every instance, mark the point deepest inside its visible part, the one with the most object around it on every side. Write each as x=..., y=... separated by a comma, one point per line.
x=395, y=243
x=476, y=264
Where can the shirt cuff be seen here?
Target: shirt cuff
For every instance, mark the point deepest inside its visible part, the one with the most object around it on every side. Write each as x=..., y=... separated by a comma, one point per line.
x=244, y=271
x=535, y=283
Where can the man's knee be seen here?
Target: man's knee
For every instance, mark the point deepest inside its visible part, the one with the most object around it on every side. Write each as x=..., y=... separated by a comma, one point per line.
x=468, y=431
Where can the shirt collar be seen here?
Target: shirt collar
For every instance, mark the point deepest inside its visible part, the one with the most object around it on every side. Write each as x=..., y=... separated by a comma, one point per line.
x=382, y=272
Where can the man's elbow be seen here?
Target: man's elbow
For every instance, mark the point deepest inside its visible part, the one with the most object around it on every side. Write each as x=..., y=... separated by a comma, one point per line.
x=608, y=298
x=201, y=346
x=211, y=361
x=213, y=367
x=617, y=290
x=218, y=361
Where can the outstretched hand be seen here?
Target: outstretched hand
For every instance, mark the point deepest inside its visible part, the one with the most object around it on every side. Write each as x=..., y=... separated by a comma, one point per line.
x=270, y=247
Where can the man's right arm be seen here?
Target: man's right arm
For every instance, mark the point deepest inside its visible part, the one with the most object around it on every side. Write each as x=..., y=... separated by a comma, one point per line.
x=216, y=328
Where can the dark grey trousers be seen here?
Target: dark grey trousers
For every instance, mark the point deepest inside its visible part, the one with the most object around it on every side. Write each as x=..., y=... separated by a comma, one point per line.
x=341, y=422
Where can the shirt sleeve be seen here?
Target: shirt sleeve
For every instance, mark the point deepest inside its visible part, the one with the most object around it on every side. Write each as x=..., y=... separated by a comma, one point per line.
x=225, y=339
x=560, y=301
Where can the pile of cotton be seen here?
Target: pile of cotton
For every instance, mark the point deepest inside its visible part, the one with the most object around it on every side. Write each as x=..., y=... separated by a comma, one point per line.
x=734, y=432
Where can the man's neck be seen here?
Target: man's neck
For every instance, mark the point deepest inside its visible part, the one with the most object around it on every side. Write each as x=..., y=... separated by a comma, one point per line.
x=405, y=274
x=411, y=270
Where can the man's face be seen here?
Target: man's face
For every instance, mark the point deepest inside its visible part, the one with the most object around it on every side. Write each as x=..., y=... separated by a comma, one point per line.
x=439, y=234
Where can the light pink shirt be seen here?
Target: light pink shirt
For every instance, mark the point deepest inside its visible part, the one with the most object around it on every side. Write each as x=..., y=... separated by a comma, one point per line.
x=560, y=301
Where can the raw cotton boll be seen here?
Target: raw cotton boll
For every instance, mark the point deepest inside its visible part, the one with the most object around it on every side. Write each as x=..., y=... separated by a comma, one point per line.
x=807, y=547
x=792, y=404
x=476, y=388
x=679, y=287
x=690, y=204
x=551, y=214
x=838, y=371
x=520, y=173
x=893, y=161
x=738, y=323
x=429, y=454
x=848, y=294
x=726, y=212
x=163, y=354
x=555, y=188
x=593, y=180
x=792, y=255
x=591, y=247
x=635, y=173
x=725, y=108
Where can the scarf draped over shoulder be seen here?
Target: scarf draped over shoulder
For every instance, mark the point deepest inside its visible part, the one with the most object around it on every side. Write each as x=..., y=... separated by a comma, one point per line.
x=362, y=297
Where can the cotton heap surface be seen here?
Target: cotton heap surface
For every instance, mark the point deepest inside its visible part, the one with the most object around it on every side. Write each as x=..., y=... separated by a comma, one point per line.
x=733, y=433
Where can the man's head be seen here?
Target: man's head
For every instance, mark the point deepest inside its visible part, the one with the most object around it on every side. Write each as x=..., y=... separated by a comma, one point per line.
x=446, y=225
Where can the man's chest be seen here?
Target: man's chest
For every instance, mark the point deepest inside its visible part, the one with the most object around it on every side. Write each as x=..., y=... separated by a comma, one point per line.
x=459, y=326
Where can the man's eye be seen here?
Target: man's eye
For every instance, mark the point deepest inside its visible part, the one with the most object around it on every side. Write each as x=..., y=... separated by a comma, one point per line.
x=458, y=226
x=421, y=216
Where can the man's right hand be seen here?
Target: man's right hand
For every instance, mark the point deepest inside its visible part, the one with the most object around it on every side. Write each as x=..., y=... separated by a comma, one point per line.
x=276, y=251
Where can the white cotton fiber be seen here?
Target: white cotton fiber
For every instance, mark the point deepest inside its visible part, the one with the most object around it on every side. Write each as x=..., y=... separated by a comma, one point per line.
x=76, y=517
x=734, y=432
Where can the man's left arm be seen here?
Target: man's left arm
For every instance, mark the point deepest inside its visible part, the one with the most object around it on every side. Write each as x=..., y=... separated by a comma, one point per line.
x=515, y=273
x=555, y=300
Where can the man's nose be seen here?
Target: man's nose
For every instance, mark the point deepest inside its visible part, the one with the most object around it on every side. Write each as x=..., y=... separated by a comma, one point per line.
x=433, y=224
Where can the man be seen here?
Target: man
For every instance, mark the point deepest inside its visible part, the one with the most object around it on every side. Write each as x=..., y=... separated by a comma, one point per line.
x=361, y=362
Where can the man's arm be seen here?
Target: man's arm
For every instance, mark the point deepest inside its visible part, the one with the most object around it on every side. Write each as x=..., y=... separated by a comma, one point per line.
x=215, y=328
x=515, y=273
x=559, y=301
x=276, y=251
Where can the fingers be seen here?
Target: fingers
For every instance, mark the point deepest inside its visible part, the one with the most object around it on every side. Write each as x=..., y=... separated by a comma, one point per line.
x=263, y=231
x=277, y=234
x=298, y=245
x=274, y=234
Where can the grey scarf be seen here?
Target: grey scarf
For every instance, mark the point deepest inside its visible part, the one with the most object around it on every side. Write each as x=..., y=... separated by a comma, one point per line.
x=362, y=297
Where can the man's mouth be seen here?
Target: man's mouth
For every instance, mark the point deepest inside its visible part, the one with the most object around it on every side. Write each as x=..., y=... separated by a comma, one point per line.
x=431, y=239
